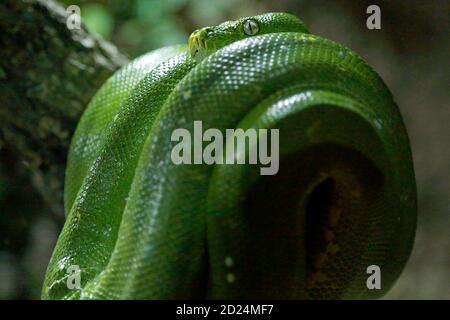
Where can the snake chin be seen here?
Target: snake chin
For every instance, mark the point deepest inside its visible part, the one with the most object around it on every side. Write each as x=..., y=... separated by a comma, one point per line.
x=198, y=45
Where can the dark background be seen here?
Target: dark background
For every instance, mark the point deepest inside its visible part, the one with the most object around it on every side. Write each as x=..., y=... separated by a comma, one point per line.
x=410, y=52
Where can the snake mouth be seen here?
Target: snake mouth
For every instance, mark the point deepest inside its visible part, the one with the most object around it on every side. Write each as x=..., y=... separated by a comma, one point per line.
x=198, y=46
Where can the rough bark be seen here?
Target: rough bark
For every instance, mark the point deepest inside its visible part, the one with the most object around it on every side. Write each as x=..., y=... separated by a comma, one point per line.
x=48, y=74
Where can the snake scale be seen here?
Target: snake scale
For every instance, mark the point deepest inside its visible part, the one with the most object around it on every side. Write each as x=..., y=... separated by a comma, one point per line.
x=139, y=226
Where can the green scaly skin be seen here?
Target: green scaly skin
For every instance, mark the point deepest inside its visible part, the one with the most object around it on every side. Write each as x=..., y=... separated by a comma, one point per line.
x=141, y=227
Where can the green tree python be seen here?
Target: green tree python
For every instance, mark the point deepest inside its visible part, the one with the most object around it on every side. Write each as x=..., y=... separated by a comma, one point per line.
x=139, y=226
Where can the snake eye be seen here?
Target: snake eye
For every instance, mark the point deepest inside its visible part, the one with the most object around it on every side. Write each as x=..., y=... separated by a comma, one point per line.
x=251, y=27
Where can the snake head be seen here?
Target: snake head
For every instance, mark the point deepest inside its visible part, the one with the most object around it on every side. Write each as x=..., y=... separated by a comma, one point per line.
x=205, y=41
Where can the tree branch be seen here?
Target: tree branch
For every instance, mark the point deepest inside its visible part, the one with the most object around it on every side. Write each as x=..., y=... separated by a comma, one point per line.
x=48, y=74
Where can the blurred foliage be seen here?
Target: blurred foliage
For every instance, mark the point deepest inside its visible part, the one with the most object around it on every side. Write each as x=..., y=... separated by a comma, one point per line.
x=2, y=185
x=137, y=26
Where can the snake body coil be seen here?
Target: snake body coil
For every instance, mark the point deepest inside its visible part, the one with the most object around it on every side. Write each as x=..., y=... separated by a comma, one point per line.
x=140, y=226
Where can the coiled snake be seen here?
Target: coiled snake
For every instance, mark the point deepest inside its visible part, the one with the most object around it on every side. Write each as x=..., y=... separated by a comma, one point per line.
x=140, y=226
